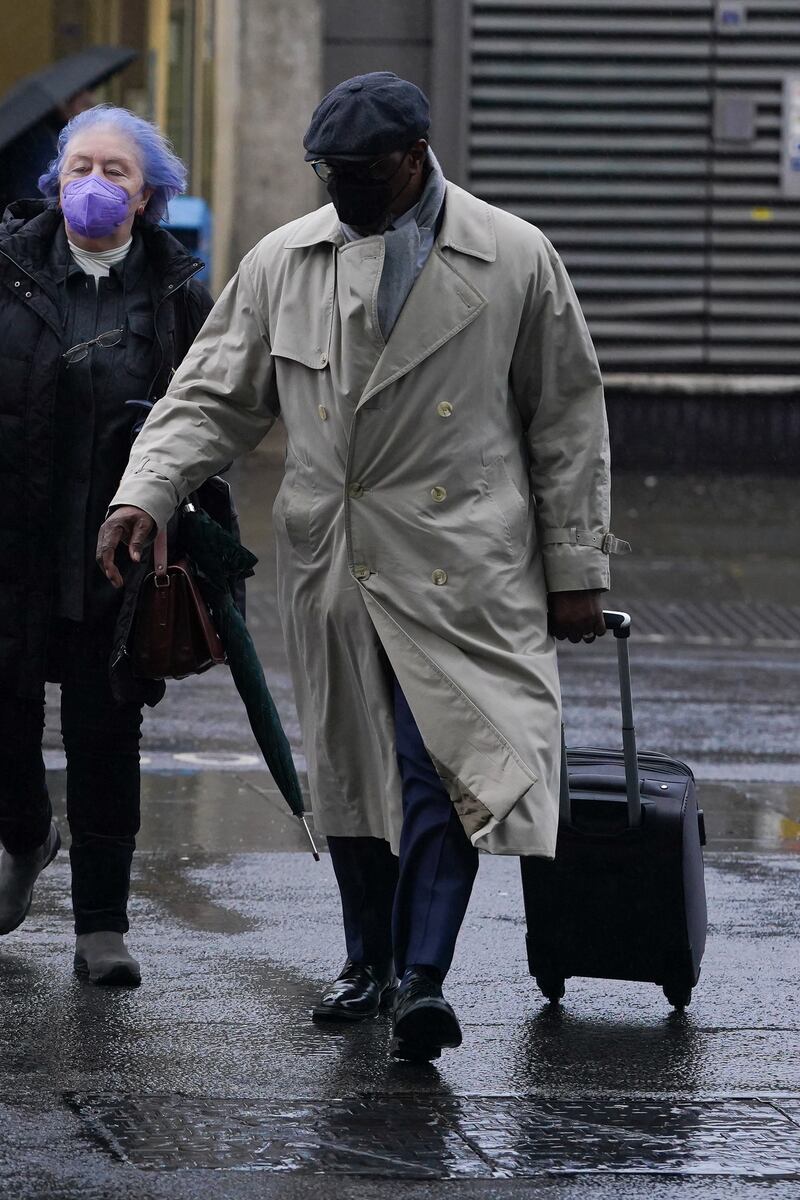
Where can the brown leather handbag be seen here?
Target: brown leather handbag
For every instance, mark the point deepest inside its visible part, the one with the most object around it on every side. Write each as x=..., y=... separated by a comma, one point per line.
x=173, y=635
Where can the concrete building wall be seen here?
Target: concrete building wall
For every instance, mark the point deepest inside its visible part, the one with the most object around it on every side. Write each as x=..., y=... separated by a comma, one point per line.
x=421, y=40
x=276, y=59
x=378, y=35
x=270, y=78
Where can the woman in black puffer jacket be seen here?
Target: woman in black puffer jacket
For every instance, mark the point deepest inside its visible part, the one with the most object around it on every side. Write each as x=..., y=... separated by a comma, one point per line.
x=98, y=305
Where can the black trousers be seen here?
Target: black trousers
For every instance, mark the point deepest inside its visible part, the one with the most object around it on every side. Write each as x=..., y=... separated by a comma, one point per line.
x=412, y=908
x=101, y=742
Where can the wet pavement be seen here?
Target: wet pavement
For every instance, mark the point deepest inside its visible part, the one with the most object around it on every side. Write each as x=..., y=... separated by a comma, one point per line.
x=210, y=1079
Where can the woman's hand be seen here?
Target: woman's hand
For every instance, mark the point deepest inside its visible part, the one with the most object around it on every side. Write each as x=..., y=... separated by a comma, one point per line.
x=126, y=524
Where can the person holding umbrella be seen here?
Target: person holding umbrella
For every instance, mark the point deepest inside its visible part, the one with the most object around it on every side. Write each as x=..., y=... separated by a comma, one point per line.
x=98, y=306
x=24, y=159
x=35, y=110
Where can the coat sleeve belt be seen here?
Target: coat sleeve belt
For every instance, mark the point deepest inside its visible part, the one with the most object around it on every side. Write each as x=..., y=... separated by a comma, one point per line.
x=584, y=537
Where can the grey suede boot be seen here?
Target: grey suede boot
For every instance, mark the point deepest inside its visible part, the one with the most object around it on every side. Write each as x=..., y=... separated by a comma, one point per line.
x=103, y=958
x=18, y=874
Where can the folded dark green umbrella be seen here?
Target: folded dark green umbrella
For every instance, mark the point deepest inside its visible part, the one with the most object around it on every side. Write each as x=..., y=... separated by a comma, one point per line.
x=220, y=561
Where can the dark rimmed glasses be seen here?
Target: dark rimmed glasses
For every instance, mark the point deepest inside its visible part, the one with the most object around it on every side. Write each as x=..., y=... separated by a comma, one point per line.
x=77, y=353
x=374, y=172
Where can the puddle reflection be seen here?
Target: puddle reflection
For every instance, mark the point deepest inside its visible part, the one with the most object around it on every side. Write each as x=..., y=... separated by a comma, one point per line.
x=557, y=1050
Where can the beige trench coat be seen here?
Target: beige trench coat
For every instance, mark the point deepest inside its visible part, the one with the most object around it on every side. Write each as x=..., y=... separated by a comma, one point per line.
x=437, y=486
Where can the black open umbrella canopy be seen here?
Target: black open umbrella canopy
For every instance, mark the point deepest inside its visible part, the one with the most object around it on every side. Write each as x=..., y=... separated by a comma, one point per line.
x=38, y=94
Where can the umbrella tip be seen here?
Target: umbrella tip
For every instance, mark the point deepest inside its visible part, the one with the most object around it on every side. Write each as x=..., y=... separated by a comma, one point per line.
x=312, y=845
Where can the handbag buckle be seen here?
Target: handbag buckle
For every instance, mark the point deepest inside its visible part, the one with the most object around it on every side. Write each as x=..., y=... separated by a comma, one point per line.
x=162, y=581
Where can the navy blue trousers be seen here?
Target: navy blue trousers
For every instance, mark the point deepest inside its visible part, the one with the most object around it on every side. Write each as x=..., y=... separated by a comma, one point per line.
x=409, y=908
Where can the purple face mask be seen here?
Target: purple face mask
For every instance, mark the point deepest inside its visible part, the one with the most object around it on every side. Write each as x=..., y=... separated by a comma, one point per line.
x=93, y=207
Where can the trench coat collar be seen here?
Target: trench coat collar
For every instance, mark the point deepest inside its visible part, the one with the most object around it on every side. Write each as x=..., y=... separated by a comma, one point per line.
x=313, y=230
x=443, y=300
x=468, y=227
x=446, y=297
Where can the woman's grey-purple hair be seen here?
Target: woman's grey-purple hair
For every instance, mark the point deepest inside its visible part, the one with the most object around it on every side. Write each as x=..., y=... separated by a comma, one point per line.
x=162, y=169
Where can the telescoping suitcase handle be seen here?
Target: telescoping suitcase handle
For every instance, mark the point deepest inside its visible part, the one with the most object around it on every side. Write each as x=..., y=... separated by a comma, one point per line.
x=619, y=623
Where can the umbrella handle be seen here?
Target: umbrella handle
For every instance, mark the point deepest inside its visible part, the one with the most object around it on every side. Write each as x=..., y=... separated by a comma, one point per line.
x=302, y=819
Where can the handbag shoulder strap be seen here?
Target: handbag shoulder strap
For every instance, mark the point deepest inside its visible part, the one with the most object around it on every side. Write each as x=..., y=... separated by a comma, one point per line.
x=160, y=553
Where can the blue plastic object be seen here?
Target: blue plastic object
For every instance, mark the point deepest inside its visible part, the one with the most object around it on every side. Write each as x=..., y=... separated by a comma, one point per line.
x=191, y=223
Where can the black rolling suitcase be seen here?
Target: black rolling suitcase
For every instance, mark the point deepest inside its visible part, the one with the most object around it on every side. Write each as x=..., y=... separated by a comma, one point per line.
x=624, y=897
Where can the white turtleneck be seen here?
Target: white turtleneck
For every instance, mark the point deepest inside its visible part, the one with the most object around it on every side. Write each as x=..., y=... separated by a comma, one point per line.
x=98, y=263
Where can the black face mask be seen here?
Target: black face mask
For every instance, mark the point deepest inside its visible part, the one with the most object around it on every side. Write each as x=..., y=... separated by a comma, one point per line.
x=363, y=203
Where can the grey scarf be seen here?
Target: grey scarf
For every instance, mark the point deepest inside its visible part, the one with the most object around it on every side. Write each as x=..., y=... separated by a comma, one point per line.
x=403, y=248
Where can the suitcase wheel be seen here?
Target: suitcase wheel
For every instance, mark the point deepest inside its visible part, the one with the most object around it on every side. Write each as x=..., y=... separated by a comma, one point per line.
x=678, y=992
x=551, y=987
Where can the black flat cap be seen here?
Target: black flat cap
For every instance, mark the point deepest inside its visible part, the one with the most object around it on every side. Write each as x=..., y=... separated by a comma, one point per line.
x=367, y=116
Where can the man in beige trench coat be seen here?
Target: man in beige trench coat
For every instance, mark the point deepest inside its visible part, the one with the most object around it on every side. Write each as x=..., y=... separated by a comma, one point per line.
x=446, y=488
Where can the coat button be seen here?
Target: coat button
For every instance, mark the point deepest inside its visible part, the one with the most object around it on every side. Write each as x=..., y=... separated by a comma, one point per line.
x=355, y=490
x=28, y=295
x=361, y=571
x=439, y=493
x=444, y=408
x=323, y=413
x=439, y=577
x=16, y=283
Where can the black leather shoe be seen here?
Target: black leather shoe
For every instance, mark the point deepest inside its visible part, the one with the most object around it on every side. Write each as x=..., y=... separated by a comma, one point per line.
x=423, y=1022
x=361, y=991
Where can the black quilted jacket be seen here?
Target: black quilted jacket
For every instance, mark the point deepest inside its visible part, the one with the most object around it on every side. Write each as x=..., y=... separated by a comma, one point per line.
x=31, y=344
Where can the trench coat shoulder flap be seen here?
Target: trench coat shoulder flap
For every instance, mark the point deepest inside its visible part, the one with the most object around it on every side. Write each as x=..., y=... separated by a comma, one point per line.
x=444, y=299
x=300, y=262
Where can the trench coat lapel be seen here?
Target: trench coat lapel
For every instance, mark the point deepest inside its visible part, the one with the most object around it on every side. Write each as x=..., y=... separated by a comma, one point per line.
x=443, y=300
x=441, y=303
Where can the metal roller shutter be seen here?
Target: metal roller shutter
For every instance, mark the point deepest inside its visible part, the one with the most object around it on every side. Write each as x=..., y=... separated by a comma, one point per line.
x=754, y=300
x=645, y=139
